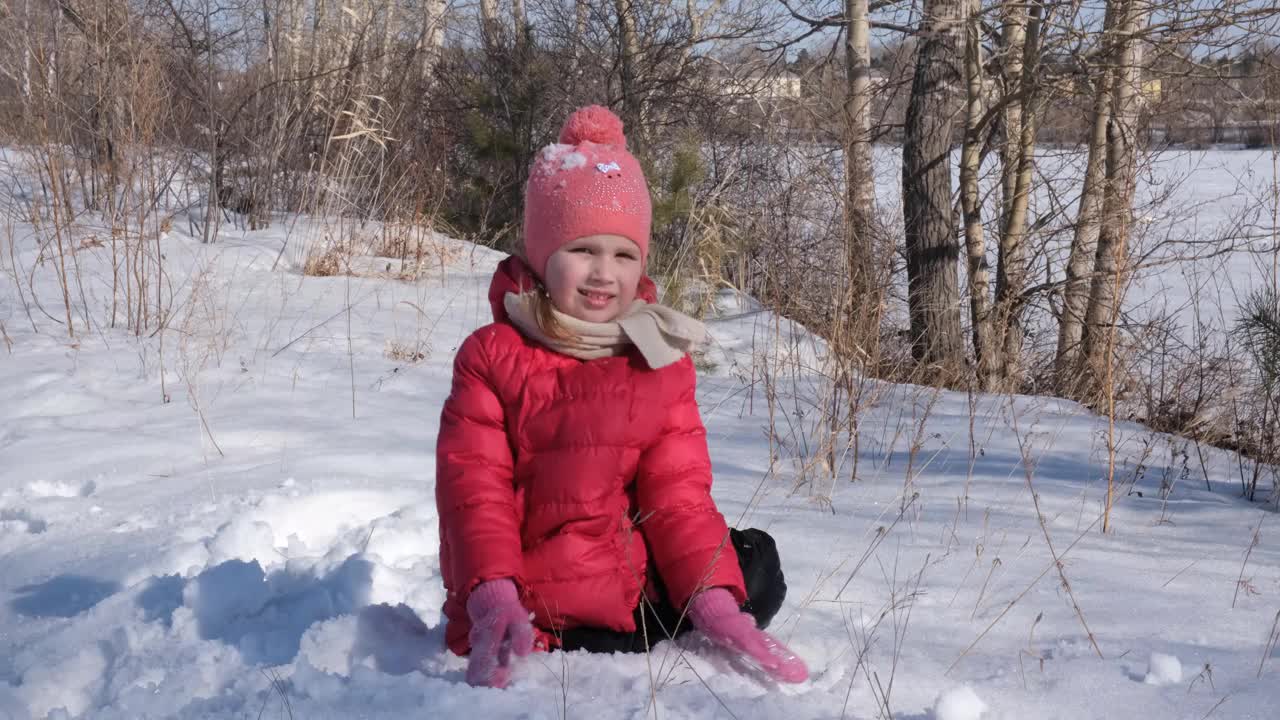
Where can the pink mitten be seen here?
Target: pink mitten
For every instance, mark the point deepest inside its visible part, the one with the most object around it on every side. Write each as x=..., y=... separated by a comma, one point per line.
x=717, y=615
x=499, y=626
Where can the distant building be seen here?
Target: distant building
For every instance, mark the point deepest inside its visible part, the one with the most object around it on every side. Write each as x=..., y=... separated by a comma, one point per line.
x=763, y=85
x=1152, y=89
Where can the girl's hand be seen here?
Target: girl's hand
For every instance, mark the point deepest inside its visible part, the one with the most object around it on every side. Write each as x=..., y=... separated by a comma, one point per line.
x=717, y=615
x=499, y=627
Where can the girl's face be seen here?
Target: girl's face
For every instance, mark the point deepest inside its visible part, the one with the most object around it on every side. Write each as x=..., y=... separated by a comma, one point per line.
x=594, y=278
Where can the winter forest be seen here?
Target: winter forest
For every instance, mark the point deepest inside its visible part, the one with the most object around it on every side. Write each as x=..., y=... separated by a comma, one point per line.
x=993, y=296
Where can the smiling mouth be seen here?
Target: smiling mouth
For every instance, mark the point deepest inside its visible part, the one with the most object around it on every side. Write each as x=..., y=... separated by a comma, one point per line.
x=596, y=299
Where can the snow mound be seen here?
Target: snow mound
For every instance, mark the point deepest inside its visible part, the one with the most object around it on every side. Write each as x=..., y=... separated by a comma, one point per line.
x=55, y=489
x=1163, y=670
x=959, y=703
x=311, y=523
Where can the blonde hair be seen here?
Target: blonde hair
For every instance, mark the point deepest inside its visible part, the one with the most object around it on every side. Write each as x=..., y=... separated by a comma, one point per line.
x=544, y=312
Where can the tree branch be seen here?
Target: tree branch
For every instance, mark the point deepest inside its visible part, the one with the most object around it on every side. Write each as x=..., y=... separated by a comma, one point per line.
x=72, y=15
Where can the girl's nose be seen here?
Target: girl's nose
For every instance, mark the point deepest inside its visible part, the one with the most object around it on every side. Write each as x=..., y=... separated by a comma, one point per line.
x=600, y=270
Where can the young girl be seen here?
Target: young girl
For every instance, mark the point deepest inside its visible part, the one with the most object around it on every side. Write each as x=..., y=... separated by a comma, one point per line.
x=573, y=482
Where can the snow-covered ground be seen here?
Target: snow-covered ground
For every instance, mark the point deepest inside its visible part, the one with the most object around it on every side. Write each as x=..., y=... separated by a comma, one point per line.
x=235, y=519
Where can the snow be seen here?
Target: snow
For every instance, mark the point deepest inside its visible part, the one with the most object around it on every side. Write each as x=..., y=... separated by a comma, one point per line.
x=235, y=517
x=959, y=703
x=1163, y=670
x=558, y=157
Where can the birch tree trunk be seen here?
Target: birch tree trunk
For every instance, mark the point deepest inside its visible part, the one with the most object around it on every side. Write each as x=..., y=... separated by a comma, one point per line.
x=293, y=38
x=931, y=240
x=1117, y=205
x=489, y=23
x=270, y=39
x=519, y=21
x=1013, y=37
x=1084, y=243
x=276, y=108
x=25, y=81
x=53, y=75
x=581, y=14
x=382, y=15
x=1011, y=269
x=629, y=56
x=863, y=305
x=985, y=349
x=431, y=38
x=214, y=125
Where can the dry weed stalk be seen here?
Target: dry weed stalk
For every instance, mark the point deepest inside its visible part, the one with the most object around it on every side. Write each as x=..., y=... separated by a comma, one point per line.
x=898, y=609
x=1013, y=603
x=1268, y=649
x=1028, y=467
x=1030, y=651
x=16, y=270
x=1242, y=582
x=1217, y=705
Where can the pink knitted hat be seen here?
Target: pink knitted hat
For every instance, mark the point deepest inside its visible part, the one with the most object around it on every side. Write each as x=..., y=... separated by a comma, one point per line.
x=587, y=184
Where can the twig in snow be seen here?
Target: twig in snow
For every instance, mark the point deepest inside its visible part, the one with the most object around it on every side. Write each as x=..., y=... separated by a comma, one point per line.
x=1215, y=707
x=708, y=687
x=1057, y=561
x=309, y=330
x=204, y=423
x=917, y=443
x=351, y=350
x=900, y=634
x=973, y=449
x=1253, y=543
x=1188, y=567
x=1206, y=674
x=1028, y=466
x=995, y=563
x=881, y=534
x=1270, y=647
x=1204, y=467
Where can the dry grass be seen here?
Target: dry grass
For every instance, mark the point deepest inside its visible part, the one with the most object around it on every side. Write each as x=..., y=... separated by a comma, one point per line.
x=411, y=254
x=407, y=352
x=330, y=262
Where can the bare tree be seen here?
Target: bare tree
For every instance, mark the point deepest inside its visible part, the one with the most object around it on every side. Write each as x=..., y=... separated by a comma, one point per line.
x=931, y=242
x=519, y=20
x=431, y=37
x=860, y=199
x=1023, y=30
x=629, y=62
x=984, y=344
x=1076, y=290
x=1120, y=184
x=581, y=16
x=490, y=23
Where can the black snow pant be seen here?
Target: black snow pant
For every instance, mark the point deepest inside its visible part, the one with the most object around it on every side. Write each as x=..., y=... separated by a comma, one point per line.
x=658, y=619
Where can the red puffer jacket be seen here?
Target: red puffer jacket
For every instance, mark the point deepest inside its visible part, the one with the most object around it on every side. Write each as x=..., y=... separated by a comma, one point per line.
x=566, y=475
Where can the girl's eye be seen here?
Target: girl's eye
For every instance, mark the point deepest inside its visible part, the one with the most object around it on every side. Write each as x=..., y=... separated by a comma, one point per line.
x=581, y=250
x=626, y=255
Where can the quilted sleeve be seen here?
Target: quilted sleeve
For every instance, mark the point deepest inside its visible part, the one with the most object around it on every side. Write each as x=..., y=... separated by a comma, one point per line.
x=687, y=535
x=475, y=494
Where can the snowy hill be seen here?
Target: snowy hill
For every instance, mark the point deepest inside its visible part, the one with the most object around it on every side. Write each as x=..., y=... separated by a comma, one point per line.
x=234, y=518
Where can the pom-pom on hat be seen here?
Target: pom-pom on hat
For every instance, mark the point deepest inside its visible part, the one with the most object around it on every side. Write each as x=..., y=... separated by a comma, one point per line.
x=586, y=184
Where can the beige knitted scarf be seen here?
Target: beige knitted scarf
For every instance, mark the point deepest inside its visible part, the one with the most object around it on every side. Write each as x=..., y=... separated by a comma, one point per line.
x=662, y=335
